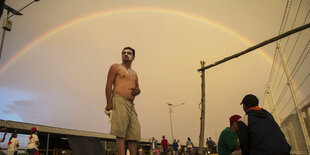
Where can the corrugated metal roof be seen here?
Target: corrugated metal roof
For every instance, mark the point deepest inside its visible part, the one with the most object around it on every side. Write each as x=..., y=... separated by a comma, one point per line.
x=25, y=128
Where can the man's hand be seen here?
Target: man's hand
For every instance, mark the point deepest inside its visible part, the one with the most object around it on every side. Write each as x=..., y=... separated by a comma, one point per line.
x=109, y=113
x=109, y=107
x=135, y=91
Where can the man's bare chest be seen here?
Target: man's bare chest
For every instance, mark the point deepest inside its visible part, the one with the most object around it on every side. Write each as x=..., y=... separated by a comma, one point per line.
x=126, y=74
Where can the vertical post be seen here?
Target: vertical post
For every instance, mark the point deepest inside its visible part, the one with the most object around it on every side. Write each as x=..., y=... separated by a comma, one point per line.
x=105, y=145
x=296, y=102
x=307, y=116
x=47, y=143
x=271, y=103
x=3, y=35
x=202, y=118
x=170, y=111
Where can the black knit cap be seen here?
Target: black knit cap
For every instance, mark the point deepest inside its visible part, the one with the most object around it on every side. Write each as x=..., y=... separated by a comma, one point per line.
x=250, y=100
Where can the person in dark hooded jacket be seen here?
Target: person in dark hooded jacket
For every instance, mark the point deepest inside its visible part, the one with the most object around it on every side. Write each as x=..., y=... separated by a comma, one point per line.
x=258, y=132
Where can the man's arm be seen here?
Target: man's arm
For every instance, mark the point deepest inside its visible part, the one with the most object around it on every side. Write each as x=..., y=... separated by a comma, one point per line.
x=36, y=140
x=17, y=143
x=108, y=88
x=136, y=91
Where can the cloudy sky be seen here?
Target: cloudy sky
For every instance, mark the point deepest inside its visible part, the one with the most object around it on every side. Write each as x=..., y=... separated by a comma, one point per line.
x=55, y=61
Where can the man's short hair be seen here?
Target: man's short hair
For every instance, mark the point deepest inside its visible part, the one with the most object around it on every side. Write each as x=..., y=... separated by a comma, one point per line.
x=250, y=100
x=129, y=48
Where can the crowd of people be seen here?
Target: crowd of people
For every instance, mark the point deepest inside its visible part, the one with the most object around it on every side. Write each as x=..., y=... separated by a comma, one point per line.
x=176, y=148
x=13, y=143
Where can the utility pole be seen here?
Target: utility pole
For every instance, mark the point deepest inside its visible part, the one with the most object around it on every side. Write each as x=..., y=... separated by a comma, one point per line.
x=202, y=118
x=170, y=111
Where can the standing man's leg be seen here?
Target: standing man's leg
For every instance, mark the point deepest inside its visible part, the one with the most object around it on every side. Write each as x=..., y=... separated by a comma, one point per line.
x=120, y=144
x=132, y=145
x=165, y=150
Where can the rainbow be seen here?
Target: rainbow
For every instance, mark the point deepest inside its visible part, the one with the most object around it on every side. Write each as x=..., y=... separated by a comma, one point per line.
x=96, y=15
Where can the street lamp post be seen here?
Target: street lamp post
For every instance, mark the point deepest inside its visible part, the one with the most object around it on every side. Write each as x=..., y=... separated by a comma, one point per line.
x=170, y=112
x=8, y=24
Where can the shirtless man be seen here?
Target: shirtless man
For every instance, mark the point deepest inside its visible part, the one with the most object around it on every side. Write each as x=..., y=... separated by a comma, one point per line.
x=121, y=89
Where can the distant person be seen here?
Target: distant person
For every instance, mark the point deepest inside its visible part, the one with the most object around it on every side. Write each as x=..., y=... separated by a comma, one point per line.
x=175, y=146
x=13, y=144
x=156, y=152
x=179, y=147
x=211, y=145
x=5, y=132
x=121, y=89
x=228, y=141
x=140, y=150
x=208, y=145
x=153, y=145
x=33, y=142
x=189, y=146
x=189, y=143
x=258, y=131
x=164, y=145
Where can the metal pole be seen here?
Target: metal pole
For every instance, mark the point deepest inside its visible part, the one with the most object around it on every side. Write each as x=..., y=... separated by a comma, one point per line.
x=170, y=111
x=202, y=118
x=3, y=35
x=23, y=8
x=257, y=46
x=48, y=142
x=296, y=102
x=271, y=104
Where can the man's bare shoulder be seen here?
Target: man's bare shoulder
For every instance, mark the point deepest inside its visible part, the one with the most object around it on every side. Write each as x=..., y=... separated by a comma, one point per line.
x=114, y=66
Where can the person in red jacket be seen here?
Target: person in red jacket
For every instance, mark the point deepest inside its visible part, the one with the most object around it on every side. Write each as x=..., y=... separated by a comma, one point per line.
x=164, y=144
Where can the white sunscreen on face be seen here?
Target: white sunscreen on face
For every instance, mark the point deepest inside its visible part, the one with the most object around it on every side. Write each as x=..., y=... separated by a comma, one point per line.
x=129, y=56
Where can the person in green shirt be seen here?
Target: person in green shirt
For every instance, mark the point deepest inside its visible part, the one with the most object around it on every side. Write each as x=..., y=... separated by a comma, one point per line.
x=228, y=141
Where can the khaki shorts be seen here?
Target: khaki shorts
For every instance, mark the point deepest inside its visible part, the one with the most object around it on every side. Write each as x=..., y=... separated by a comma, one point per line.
x=124, y=123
